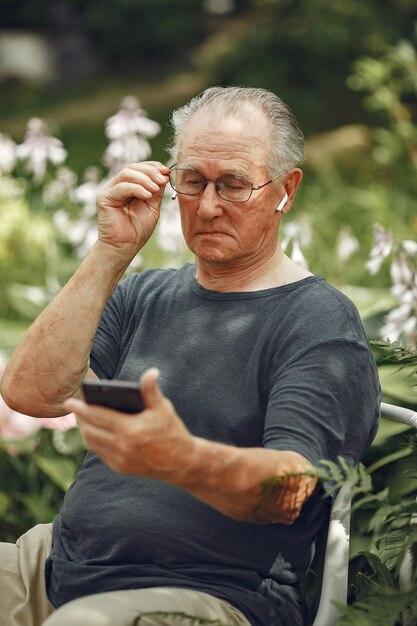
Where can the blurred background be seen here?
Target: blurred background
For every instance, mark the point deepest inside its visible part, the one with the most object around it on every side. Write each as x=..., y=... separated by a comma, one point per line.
x=86, y=86
x=348, y=68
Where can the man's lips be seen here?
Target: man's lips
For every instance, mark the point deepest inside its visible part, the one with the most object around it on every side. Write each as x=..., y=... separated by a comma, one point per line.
x=212, y=233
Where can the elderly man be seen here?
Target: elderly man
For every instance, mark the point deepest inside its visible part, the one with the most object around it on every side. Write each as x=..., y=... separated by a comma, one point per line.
x=251, y=368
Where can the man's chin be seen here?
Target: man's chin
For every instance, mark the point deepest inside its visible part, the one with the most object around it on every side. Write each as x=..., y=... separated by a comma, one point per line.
x=213, y=254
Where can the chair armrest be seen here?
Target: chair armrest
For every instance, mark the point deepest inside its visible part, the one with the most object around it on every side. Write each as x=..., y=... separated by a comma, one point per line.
x=399, y=414
x=336, y=565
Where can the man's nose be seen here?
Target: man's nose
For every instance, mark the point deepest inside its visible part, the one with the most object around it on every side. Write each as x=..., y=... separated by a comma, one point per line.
x=210, y=201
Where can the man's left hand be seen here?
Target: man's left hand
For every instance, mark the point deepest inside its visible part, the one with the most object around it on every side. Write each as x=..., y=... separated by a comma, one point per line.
x=154, y=443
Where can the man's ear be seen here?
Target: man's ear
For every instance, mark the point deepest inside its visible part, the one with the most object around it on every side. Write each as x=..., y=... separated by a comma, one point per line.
x=291, y=185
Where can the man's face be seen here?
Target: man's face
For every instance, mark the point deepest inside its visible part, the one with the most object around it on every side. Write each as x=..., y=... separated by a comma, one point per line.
x=223, y=232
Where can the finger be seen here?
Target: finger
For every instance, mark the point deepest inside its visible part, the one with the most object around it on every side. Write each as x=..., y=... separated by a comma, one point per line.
x=95, y=415
x=124, y=191
x=151, y=179
x=147, y=175
x=160, y=166
x=154, y=168
x=101, y=443
x=150, y=391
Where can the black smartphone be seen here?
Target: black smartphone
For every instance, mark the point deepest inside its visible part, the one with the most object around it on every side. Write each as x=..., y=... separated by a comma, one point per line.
x=121, y=395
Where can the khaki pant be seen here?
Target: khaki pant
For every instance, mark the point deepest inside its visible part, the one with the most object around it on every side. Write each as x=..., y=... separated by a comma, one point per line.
x=23, y=600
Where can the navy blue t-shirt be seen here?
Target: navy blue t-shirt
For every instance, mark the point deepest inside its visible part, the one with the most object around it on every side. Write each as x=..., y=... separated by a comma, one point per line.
x=287, y=368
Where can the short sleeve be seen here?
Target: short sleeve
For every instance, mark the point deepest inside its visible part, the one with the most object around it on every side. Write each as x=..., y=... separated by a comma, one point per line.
x=107, y=342
x=325, y=403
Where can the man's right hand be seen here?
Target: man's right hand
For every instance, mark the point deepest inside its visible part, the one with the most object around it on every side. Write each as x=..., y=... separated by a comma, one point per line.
x=128, y=207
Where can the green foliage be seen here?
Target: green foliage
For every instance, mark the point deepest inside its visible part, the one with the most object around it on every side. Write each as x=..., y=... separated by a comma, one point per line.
x=35, y=473
x=381, y=533
x=394, y=353
x=24, y=238
x=152, y=29
x=390, y=81
x=119, y=34
x=385, y=608
x=381, y=187
x=301, y=50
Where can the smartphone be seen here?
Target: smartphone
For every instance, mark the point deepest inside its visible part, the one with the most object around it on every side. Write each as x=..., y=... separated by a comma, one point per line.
x=121, y=395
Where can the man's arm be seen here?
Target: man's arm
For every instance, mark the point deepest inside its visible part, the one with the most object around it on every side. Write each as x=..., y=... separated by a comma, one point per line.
x=251, y=484
x=53, y=358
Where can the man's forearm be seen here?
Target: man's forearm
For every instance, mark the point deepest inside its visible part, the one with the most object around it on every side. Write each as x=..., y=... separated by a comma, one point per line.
x=53, y=357
x=250, y=484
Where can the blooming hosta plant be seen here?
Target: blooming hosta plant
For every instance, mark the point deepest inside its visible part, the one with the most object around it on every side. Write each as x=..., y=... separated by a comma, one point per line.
x=38, y=149
x=129, y=130
x=38, y=166
x=41, y=456
x=401, y=322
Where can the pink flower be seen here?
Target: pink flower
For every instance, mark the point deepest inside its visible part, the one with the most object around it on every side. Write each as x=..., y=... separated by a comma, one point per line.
x=14, y=425
x=382, y=249
x=131, y=119
x=346, y=244
x=38, y=148
x=128, y=130
x=401, y=322
x=58, y=423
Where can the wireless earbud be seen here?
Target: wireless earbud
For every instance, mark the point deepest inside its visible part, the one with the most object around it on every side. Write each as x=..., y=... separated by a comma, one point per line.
x=174, y=196
x=282, y=203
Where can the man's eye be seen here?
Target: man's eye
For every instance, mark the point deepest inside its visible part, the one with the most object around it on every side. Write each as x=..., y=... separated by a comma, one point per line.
x=192, y=179
x=234, y=183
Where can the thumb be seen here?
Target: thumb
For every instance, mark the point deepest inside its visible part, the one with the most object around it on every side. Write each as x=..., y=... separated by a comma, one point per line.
x=149, y=389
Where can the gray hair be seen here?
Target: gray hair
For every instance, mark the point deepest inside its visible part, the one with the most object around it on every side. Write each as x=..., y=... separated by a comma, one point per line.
x=287, y=140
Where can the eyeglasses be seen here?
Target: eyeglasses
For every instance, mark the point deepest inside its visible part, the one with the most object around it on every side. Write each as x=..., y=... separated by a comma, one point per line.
x=230, y=188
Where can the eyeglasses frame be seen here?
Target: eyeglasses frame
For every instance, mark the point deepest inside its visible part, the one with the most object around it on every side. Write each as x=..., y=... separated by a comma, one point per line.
x=209, y=180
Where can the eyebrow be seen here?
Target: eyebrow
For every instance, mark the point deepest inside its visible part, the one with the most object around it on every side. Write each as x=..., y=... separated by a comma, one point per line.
x=236, y=173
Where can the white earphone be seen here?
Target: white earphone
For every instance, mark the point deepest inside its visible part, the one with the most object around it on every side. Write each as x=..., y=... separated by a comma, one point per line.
x=282, y=203
x=174, y=196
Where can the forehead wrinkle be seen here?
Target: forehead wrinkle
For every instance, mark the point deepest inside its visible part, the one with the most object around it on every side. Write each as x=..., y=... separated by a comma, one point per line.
x=234, y=139
x=230, y=161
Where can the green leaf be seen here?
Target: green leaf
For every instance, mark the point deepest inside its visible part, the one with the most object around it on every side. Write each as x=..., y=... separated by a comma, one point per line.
x=61, y=470
x=39, y=507
x=69, y=442
x=387, y=429
x=390, y=547
x=389, y=458
x=398, y=384
x=11, y=333
x=5, y=503
x=28, y=300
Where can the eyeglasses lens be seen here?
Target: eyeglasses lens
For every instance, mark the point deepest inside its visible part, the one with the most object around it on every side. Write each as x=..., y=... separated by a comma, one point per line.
x=228, y=187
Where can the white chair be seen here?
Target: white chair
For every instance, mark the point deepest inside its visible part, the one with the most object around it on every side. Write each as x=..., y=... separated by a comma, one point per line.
x=335, y=569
